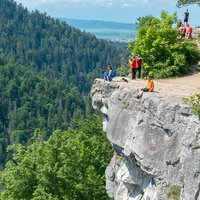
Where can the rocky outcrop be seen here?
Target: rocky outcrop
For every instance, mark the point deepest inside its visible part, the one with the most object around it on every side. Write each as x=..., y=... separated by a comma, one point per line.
x=156, y=140
x=196, y=32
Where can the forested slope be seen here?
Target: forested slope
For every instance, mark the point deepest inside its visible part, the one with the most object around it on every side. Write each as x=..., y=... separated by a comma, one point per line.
x=69, y=165
x=46, y=71
x=40, y=41
x=31, y=100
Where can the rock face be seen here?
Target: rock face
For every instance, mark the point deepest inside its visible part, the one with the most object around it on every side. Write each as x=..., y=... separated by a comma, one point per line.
x=196, y=33
x=156, y=142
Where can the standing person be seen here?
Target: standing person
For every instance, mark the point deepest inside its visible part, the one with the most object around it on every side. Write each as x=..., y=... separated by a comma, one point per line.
x=186, y=16
x=133, y=62
x=139, y=66
x=188, y=32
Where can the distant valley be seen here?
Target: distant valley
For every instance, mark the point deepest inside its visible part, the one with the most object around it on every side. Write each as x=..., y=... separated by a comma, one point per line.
x=113, y=31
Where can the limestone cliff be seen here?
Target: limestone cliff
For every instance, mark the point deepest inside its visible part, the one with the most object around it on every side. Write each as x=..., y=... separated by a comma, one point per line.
x=156, y=140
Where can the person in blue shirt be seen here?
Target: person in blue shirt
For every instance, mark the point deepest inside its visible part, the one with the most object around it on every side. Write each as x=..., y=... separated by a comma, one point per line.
x=108, y=74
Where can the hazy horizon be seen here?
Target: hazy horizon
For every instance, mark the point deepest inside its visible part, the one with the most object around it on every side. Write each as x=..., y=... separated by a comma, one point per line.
x=108, y=30
x=122, y=11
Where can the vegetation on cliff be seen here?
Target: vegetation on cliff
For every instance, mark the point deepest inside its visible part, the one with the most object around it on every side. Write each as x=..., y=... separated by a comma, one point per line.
x=164, y=52
x=195, y=102
x=174, y=192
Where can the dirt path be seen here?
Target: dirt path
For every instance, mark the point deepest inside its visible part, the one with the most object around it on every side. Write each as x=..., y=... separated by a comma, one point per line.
x=175, y=88
x=179, y=87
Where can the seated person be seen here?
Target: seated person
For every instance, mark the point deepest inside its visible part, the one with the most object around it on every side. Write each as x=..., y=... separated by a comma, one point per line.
x=149, y=88
x=182, y=30
x=105, y=75
x=188, y=32
x=108, y=74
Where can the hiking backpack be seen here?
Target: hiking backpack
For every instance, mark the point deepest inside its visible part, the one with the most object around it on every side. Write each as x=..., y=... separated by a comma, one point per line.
x=113, y=73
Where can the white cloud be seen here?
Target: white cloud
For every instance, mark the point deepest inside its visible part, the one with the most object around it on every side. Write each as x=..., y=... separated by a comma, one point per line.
x=145, y=1
x=125, y=5
x=106, y=3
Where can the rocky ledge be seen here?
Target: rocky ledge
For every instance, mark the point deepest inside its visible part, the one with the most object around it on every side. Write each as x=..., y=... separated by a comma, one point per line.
x=196, y=32
x=156, y=141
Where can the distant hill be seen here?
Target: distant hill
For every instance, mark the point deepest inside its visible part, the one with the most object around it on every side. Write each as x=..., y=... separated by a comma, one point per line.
x=96, y=24
x=112, y=31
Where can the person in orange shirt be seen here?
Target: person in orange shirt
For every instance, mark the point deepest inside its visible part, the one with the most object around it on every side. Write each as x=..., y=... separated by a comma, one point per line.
x=188, y=32
x=133, y=62
x=149, y=88
x=150, y=85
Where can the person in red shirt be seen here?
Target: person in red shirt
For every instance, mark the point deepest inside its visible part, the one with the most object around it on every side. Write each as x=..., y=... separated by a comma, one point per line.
x=188, y=32
x=133, y=62
x=139, y=66
x=182, y=30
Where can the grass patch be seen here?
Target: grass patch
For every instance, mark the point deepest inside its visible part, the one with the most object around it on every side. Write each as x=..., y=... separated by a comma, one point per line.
x=124, y=105
x=195, y=102
x=174, y=192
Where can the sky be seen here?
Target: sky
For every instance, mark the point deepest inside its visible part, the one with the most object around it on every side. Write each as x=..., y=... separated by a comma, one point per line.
x=126, y=11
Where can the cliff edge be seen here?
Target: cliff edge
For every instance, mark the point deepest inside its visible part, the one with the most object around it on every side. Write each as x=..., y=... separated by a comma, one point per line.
x=156, y=141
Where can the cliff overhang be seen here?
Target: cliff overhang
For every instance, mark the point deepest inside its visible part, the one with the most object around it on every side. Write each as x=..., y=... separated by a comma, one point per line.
x=156, y=140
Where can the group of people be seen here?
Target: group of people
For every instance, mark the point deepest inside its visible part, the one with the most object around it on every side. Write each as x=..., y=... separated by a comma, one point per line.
x=186, y=31
x=184, y=28
x=136, y=61
x=136, y=65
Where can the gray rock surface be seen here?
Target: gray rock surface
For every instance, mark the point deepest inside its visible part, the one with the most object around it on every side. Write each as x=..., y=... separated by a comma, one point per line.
x=156, y=140
x=196, y=32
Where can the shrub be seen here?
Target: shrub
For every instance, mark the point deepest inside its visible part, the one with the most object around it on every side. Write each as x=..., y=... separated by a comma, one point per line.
x=195, y=101
x=179, y=60
x=192, y=53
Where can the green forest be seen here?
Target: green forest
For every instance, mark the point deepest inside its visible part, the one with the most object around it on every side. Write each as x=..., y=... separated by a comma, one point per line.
x=46, y=70
x=69, y=165
x=48, y=45
x=30, y=100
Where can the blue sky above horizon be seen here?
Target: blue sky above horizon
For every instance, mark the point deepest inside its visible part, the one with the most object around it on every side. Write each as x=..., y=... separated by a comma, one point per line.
x=126, y=11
